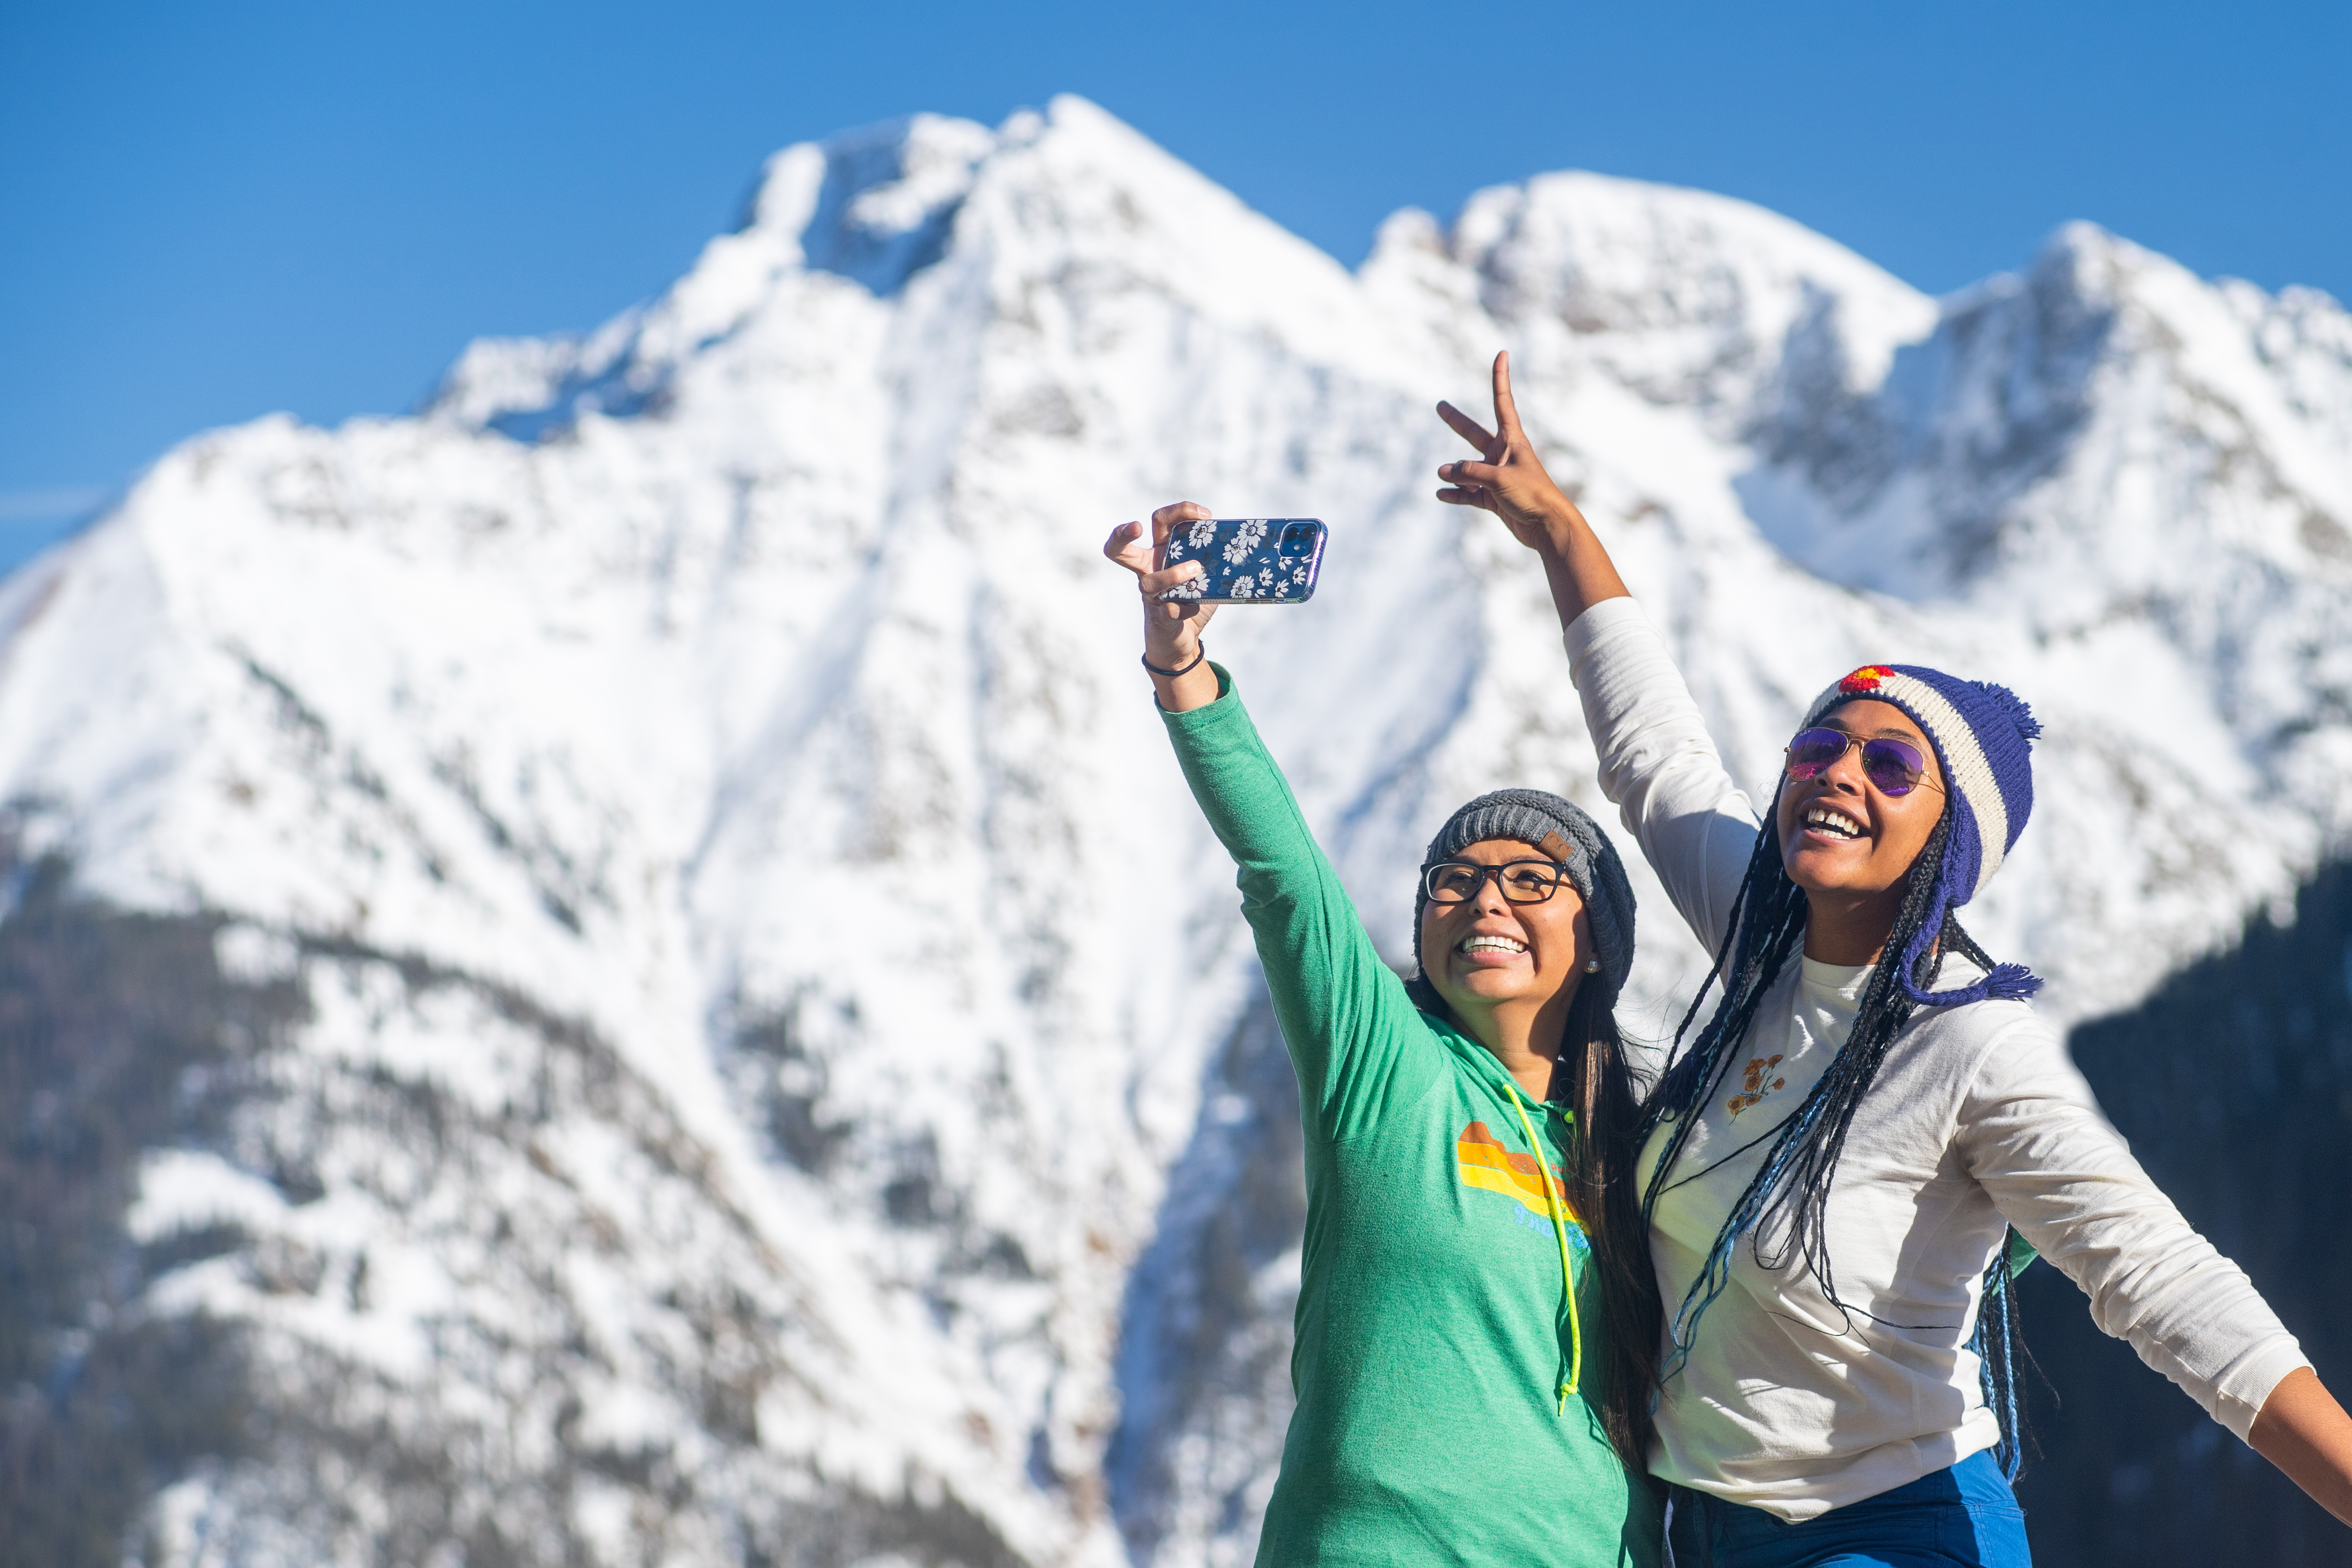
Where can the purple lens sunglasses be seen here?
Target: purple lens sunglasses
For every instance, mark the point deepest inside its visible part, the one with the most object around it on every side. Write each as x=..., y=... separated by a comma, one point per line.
x=1895, y=767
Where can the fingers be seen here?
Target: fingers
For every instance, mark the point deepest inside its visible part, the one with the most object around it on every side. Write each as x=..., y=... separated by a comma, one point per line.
x=1125, y=547
x=1506, y=411
x=1468, y=428
x=1155, y=583
x=1470, y=476
x=1164, y=520
x=1469, y=484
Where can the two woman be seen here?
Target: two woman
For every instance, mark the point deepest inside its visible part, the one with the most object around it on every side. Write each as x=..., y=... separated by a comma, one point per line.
x=1828, y=1171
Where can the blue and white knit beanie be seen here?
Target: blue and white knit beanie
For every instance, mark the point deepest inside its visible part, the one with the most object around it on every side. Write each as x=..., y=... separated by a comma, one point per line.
x=1562, y=831
x=1983, y=738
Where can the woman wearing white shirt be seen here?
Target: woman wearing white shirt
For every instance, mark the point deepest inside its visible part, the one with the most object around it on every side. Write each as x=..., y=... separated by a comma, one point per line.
x=1834, y=1160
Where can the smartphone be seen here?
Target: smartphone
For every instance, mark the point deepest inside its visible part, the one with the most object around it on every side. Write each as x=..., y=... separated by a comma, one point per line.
x=1250, y=561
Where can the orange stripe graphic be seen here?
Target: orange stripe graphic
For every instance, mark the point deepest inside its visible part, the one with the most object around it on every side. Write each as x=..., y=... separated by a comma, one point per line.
x=1486, y=1164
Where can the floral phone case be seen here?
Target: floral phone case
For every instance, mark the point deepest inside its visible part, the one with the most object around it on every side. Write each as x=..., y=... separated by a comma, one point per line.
x=1250, y=561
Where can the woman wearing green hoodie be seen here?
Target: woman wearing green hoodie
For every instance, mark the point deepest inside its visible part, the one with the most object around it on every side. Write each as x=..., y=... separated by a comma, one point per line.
x=1477, y=1320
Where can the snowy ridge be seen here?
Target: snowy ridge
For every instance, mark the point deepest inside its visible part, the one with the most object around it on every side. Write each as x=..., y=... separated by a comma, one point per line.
x=703, y=762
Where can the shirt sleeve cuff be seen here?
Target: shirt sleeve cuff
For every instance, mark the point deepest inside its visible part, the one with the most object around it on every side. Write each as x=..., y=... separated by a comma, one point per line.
x=1228, y=703
x=2240, y=1393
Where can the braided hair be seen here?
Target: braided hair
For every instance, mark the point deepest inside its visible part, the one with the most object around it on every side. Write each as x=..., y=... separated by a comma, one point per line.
x=1783, y=1211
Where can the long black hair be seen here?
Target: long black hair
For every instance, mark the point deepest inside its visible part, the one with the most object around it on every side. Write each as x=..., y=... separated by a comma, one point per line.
x=1590, y=1075
x=1783, y=1211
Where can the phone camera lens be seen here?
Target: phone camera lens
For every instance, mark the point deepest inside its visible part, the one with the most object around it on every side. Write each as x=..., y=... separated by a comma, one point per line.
x=1297, y=538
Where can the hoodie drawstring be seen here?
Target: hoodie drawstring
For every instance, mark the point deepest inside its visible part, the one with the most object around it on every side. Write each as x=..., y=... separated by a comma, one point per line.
x=1553, y=1201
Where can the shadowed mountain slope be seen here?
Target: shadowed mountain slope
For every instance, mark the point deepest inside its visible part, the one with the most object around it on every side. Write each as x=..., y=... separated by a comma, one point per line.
x=768, y=1047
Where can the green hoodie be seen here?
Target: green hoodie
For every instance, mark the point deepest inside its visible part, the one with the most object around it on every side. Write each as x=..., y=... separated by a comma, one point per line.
x=1435, y=1338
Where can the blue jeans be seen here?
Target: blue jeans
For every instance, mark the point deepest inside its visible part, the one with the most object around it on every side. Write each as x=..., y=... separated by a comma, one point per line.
x=1963, y=1517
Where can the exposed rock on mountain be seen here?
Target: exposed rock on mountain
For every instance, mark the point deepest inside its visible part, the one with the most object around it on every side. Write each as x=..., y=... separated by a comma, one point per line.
x=747, y=1052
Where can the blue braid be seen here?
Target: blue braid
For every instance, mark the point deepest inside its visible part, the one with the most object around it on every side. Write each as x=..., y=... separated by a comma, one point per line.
x=1766, y=925
x=1715, y=1275
x=1997, y=1347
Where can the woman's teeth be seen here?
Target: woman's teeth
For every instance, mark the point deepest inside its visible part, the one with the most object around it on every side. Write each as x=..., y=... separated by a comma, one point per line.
x=1834, y=822
x=1492, y=944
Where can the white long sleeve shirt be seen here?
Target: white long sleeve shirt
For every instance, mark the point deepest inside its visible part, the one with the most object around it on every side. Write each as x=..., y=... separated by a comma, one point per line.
x=1978, y=1120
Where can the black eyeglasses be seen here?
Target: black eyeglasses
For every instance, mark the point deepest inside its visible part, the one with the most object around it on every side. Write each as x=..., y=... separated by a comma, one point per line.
x=1521, y=882
x=1895, y=766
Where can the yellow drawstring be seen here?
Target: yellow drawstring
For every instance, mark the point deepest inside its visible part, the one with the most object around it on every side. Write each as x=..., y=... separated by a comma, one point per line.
x=1552, y=1201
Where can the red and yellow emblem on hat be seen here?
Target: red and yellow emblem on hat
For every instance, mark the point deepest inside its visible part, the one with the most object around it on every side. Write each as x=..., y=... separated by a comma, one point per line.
x=1866, y=679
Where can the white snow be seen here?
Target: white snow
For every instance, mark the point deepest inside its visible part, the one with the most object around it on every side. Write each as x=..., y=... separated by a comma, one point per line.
x=744, y=671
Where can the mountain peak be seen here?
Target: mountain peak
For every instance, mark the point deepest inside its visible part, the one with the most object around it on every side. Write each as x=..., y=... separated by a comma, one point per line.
x=560, y=775
x=882, y=198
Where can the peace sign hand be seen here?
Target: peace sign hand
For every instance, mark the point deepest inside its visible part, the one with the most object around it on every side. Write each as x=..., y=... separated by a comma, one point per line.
x=1509, y=481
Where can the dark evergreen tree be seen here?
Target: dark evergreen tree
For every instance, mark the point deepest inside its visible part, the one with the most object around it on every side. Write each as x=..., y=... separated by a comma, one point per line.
x=118, y=1035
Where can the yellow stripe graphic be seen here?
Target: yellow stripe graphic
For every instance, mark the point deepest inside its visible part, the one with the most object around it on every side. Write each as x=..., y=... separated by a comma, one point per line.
x=1486, y=1163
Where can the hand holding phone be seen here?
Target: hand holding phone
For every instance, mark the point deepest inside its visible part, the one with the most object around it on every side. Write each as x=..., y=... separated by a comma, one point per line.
x=1186, y=563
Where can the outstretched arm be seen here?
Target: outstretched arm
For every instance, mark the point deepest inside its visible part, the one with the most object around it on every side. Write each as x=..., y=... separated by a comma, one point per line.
x=1657, y=765
x=2306, y=1433
x=1346, y=1017
x=1509, y=480
x=2034, y=1138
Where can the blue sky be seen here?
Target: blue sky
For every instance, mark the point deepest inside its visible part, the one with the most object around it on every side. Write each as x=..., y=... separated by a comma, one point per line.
x=208, y=213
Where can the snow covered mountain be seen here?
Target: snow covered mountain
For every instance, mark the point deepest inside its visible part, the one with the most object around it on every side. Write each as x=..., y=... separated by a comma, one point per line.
x=713, y=1032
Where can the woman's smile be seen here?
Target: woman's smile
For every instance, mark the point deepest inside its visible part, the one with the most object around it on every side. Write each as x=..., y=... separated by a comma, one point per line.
x=1831, y=823
x=1490, y=949
x=1832, y=839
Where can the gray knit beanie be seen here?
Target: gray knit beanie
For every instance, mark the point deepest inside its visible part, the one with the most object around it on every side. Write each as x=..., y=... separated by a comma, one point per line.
x=1561, y=831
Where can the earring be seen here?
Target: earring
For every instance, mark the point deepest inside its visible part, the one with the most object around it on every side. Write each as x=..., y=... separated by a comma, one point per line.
x=1592, y=966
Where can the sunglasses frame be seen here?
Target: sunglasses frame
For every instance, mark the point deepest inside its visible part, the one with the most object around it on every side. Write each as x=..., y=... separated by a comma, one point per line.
x=1911, y=761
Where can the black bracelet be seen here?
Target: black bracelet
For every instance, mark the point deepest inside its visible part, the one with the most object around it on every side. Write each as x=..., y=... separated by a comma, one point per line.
x=1172, y=675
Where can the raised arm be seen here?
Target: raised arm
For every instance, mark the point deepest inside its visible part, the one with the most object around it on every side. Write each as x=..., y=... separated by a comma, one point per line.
x=1509, y=480
x=1352, y=1032
x=1658, y=765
